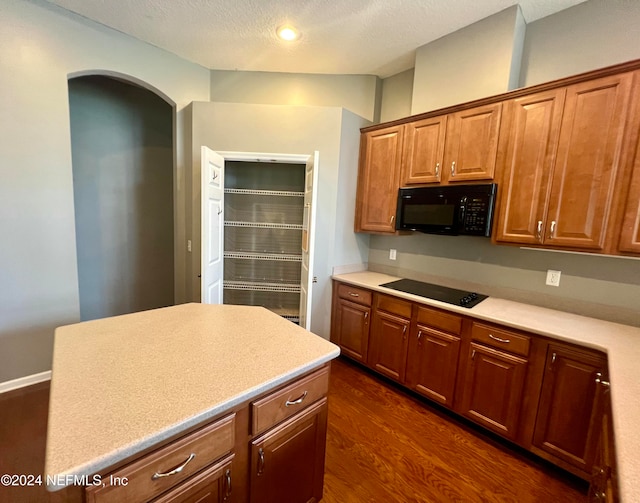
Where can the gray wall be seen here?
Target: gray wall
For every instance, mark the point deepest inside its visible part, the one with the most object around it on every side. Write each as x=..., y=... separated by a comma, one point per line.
x=283, y=129
x=590, y=35
x=396, y=96
x=40, y=47
x=358, y=93
x=122, y=151
x=477, y=61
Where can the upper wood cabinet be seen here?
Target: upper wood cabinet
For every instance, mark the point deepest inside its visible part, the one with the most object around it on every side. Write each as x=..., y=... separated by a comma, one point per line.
x=630, y=232
x=561, y=164
x=458, y=147
x=423, y=156
x=379, y=179
x=527, y=165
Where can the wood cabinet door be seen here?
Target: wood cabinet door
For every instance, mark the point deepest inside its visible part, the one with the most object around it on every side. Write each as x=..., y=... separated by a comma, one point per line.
x=211, y=485
x=527, y=165
x=432, y=364
x=423, y=156
x=492, y=394
x=388, y=349
x=472, y=143
x=379, y=179
x=630, y=233
x=352, y=329
x=590, y=143
x=567, y=425
x=287, y=463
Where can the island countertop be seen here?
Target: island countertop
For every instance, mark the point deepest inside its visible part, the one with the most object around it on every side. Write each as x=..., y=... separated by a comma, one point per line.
x=123, y=384
x=621, y=343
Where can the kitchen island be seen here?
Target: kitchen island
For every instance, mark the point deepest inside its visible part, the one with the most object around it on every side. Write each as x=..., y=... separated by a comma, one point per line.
x=123, y=386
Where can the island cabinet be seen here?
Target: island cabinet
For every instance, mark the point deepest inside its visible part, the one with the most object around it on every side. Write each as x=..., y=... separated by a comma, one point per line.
x=562, y=163
x=390, y=336
x=270, y=450
x=492, y=379
x=568, y=427
x=287, y=460
x=175, y=470
x=378, y=179
x=350, y=320
x=432, y=359
x=457, y=147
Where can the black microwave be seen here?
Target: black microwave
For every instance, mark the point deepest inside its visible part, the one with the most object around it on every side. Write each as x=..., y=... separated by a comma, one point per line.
x=447, y=209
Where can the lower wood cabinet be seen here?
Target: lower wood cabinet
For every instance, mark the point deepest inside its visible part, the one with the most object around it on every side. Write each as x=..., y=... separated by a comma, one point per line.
x=287, y=463
x=350, y=321
x=432, y=359
x=213, y=485
x=492, y=389
x=604, y=477
x=389, y=337
x=569, y=413
x=541, y=394
x=271, y=449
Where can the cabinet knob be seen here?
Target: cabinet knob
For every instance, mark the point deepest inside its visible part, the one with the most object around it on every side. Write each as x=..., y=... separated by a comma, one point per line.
x=552, y=231
x=260, y=461
x=599, y=380
x=437, y=170
x=227, y=478
x=419, y=335
x=453, y=168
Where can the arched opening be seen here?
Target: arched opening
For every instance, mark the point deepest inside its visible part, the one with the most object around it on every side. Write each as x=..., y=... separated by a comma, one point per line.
x=123, y=175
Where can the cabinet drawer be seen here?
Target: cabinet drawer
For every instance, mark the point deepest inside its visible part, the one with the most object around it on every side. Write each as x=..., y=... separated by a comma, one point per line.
x=501, y=339
x=193, y=452
x=438, y=319
x=284, y=403
x=354, y=294
x=393, y=305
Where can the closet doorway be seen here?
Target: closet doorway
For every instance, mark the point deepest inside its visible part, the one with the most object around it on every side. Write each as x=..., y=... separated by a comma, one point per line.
x=123, y=158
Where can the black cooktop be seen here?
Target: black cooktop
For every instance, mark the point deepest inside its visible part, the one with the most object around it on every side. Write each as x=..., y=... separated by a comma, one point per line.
x=437, y=292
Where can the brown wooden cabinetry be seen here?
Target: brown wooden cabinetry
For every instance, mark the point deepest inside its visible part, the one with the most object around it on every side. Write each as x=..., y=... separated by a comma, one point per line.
x=568, y=422
x=604, y=479
x=287, y=463
x=462, y=146
x=491, y=388
x=561, y=164
x=379, y=179
x=432, y=359
x=389, y=336
x=350, y=320
x=630, y=233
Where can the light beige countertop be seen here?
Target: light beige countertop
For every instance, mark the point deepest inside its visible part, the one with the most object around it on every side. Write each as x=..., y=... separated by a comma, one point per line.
x=620, y=342
x=120, y=385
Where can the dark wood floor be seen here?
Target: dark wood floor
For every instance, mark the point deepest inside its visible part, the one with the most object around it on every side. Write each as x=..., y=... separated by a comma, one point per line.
x=383, y=445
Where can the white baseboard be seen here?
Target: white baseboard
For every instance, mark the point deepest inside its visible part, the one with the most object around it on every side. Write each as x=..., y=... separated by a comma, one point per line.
x=22, y=382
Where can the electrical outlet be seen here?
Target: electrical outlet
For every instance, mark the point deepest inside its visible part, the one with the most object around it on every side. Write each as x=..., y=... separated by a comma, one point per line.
x=392, y=254
x=553, y=277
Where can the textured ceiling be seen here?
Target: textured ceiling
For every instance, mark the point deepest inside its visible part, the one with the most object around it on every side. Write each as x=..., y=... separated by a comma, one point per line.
x=377, y=37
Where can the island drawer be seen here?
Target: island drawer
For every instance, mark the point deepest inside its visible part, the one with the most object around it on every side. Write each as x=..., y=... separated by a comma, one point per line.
x=163, y=469
x=284, y=403
x=501, y=339
x=354, y=294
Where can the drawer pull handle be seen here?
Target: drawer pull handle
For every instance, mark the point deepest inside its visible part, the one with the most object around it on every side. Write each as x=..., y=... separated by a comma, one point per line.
x=297, y=400
x=175, y=471
x=227, y=476
x=354, y=294
x=260, y=461
x=506, y=341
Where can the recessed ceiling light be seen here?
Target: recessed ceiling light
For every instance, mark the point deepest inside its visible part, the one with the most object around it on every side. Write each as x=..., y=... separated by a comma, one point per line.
x=288, y=33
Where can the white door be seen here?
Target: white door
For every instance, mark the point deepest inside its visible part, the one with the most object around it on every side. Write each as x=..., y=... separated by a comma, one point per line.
x=308, y=234
x=212, y=226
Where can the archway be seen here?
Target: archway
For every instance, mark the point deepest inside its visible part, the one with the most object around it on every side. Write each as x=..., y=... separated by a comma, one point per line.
x=123, y=178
